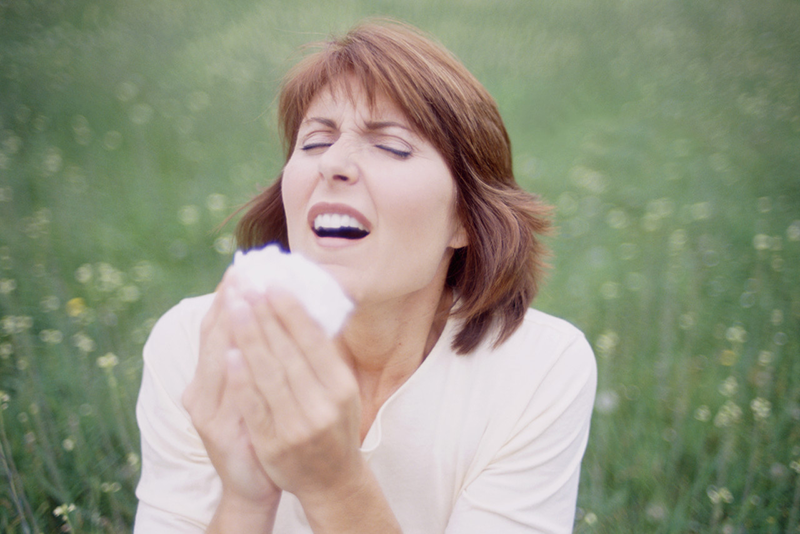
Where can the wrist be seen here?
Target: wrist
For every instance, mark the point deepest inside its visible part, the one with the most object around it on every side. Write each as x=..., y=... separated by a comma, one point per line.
x=356, y=506
x=248, y=505
x=335, y=493
x=236, y=514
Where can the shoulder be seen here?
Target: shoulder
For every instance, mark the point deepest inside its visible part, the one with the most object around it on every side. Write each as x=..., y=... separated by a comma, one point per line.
x=525, y=399
x=543, y=340
x=182, y=320
x=527, y=425
x=545, y=364
x=540, y=342
x=178, y=487
x=538, y=319
x=188, y=313
x=171, y=349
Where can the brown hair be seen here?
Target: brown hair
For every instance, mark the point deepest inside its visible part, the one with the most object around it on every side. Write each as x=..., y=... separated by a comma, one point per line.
x=496, y=275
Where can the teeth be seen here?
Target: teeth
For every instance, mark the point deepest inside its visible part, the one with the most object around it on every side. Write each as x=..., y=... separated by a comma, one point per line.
x=334, y=221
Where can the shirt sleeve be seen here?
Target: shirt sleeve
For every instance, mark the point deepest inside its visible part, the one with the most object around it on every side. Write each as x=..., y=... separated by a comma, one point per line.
x=179, y=488
x=531, y=483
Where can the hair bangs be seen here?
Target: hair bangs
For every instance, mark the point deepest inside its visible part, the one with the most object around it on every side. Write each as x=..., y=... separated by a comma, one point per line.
x=381, y=66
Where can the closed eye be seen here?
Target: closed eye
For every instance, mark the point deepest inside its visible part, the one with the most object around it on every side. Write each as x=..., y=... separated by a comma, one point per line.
x=313, y=146
x=402, y=154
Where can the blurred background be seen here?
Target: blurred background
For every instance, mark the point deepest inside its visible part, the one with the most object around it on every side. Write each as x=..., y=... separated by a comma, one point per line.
x=667, y=134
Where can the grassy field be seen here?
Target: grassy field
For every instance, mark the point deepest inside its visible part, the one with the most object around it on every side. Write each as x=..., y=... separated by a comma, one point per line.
x=666, y=133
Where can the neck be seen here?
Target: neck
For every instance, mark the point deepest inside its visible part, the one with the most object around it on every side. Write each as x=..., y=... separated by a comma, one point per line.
x=384, y=344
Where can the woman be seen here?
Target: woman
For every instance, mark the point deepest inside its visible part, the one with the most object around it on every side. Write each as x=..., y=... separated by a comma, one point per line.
x=445, y=404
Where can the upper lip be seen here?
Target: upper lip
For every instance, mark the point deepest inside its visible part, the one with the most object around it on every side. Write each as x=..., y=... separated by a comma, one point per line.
x=341, y=209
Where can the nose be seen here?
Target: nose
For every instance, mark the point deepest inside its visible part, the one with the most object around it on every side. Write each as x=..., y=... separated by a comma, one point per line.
x=339, y=162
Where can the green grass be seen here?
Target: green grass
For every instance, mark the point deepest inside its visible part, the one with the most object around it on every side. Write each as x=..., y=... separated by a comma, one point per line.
x=666, y=133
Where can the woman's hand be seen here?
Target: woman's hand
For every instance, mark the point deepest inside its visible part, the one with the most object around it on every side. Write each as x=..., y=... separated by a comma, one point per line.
x=211, y=401
x=279, y=409
x=298, y=398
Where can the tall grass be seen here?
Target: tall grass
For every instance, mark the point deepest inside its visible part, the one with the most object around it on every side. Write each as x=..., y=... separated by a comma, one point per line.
x=667, y=135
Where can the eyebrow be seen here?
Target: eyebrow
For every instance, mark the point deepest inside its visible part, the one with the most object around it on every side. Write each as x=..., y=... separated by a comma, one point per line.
x=325, y=122
x=370, y=125
x=380, y=125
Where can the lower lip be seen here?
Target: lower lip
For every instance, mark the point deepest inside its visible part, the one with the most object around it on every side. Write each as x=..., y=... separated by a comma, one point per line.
x=337, y=242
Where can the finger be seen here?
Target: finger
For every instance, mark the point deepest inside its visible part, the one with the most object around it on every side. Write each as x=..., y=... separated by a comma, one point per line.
x=268, y=373
x=213, y=329
x=212, y=316
x=231, y=426
x=249, y=402
x=321, y=352
x=311, y=394
x=203, y=395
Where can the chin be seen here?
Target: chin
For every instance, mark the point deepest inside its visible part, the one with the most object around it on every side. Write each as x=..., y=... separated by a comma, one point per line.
x=347, y=279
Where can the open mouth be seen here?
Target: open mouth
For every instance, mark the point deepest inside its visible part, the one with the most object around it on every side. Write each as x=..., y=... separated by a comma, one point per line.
x=339, y=225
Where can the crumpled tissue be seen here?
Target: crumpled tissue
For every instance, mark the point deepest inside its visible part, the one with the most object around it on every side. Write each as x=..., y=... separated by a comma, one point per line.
x=318, y=291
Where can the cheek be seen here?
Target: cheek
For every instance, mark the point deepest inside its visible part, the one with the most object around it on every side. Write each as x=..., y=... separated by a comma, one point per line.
x=293, y=191
x=291, y=195
x=421, y=206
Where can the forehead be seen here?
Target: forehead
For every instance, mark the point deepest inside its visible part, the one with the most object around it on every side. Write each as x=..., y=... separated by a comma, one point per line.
x=345, y=93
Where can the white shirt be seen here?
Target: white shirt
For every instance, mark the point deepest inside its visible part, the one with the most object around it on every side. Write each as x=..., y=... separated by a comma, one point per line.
x=491, y=441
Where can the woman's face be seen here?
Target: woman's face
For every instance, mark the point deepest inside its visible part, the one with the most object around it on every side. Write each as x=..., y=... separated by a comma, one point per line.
x=370, y=200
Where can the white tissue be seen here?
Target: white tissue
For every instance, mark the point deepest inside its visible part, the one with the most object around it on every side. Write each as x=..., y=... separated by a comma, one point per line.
x=314, y=287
